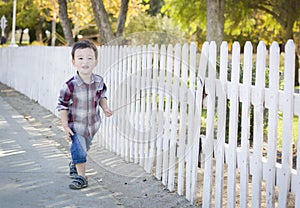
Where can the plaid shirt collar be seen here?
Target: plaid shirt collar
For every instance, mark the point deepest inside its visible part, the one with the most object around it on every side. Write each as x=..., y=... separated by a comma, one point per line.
x=80, y=82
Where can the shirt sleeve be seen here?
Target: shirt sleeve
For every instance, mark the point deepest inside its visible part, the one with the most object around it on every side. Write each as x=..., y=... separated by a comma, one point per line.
x=64, y=99
x=103, y=93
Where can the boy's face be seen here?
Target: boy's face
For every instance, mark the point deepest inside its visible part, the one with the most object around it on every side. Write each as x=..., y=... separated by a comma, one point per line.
x=84, y=61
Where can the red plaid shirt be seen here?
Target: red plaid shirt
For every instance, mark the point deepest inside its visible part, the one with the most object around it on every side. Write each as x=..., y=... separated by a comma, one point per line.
x=82, y=100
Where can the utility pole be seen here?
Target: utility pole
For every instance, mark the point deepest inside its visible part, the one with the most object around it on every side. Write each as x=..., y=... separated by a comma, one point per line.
x=13, y=39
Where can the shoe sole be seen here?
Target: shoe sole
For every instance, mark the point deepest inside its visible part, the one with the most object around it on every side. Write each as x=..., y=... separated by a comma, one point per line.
x=74, y=187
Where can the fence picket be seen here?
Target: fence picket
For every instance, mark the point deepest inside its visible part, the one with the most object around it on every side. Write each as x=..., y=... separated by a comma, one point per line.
x=191, y=114
x=137, y=124
x=258, y=95
x=132, y=141
x=233, y=126
x=148, y=89
x=208, y=146
x=245, y=98
x=126, y=97
x=270, y=168
x=221, y=113
x=114, y=88
x=160, y=121
x=284, y=173
x=166, y=136
x=197, y=118
x=174, y=119
x=154, y=115
x=183, y=119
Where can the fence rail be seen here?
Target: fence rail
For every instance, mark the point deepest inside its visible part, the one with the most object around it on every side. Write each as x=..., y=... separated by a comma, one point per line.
x=206, y=124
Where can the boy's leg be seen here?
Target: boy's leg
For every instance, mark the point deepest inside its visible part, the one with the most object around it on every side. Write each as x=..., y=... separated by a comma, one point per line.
x=81, y=169
x=79, y=154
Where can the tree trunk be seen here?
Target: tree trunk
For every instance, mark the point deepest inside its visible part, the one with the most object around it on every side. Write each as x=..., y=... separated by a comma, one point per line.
x=65, y=22
x=102, y=22
x=122, y=17
x=215, y=20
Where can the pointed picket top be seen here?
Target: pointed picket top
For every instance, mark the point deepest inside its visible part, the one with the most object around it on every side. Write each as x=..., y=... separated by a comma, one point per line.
x=224, y=61
x=289, y=66
x=248, y=63
x=274, y=65
x=235, y=74
x=203, y=62
x=260, y=64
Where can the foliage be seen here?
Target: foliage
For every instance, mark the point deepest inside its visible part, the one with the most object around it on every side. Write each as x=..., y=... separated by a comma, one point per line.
x=143, y=29
x=190, y=16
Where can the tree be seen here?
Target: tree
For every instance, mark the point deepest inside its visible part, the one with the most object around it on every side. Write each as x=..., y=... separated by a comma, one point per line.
x=285, y=12
x=102, y=21
x=65, y=22
x=154, y=6
x=122, y=17
x=215, y=10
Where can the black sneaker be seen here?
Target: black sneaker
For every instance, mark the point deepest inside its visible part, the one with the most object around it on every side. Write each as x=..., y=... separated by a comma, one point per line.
x=79, y=183
x=73, y=171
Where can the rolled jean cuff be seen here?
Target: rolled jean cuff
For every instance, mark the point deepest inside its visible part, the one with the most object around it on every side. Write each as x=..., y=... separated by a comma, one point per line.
x=78, y=149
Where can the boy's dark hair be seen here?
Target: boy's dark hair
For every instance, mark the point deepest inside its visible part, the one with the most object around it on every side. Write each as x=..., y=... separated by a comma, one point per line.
x=84, y=44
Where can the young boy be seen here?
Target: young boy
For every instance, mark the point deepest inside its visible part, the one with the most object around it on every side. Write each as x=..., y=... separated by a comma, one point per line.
x=78, y=106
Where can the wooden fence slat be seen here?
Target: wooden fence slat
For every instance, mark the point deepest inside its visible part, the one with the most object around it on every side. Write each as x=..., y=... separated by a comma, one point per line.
x=126, y=91
x=174, y=118
x=166, y=136
x=119, y=139
x=148, y=89
x=270, y=168
x=130, y=110
x=198, y=112
x=143, y=106
x=114, y=87
x=258, y=99
x=284, y=173
x=221, y=113
x=233, y=126
x=199, y=98
x=108, y=140
x=191, y=114
x=183, y=119
x=138, y=106
x=122, y=84
x=245, y=123
x=161, y=86
x=208, y=147
x=154, y=115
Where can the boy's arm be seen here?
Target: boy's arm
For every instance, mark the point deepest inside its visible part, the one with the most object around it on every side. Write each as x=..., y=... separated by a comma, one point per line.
x=103, y=105
x=64, y=121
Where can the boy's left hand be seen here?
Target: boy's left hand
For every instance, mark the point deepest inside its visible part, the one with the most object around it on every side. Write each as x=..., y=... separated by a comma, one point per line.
x=107, y=112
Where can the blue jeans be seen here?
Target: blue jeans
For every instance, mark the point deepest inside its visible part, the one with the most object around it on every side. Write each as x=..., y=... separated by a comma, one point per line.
x=79, y=148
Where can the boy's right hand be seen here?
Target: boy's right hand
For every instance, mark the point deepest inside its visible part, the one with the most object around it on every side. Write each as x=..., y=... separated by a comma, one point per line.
x=69, y=133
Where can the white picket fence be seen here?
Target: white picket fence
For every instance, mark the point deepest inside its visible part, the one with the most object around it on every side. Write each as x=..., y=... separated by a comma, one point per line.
x=162, y=122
